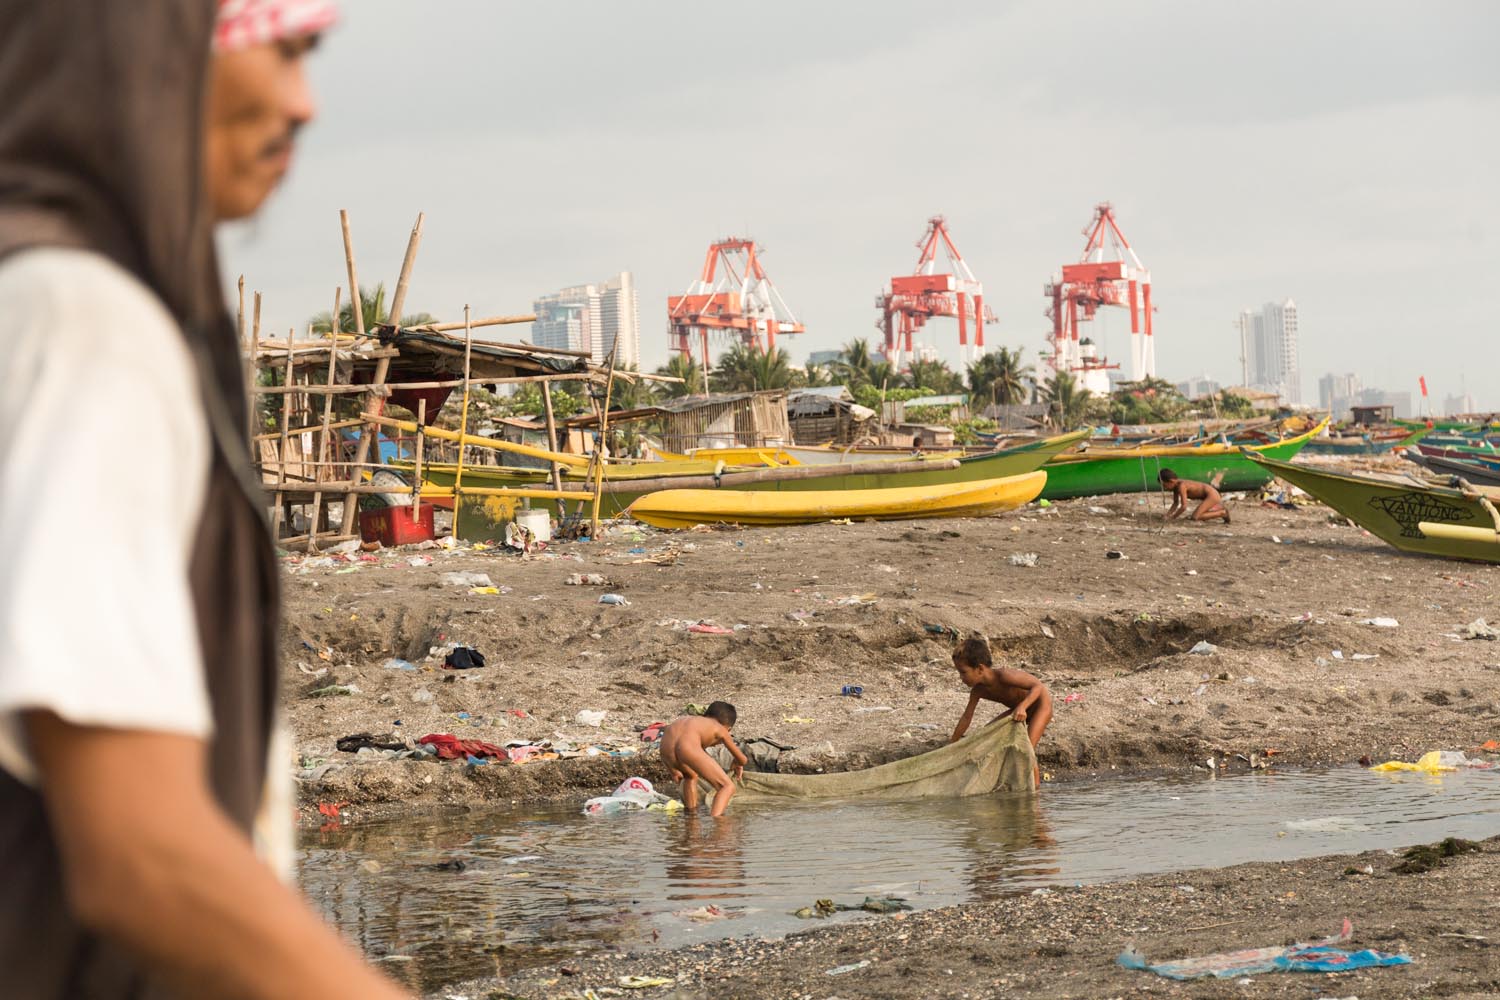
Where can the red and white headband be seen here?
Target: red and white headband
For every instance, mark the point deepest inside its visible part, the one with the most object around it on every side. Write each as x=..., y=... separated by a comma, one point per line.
x=245, y=23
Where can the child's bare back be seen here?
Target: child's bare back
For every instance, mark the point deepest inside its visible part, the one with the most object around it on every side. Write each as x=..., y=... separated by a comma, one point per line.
x=684, y=748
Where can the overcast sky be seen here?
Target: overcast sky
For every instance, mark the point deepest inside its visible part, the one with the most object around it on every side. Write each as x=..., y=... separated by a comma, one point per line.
x=1344, y=155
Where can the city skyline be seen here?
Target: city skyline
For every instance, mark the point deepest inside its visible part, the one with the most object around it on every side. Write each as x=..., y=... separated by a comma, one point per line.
x=1317, y=181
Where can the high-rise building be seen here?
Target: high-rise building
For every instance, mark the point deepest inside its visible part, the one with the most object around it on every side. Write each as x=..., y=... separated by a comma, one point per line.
x=1268, y=349
x=1336, y=393
x=1454, y=406
x=592, y=318
x=1198, y=387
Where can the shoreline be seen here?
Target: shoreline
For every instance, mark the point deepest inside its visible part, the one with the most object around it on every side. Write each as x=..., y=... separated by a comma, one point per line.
x=1063, y=943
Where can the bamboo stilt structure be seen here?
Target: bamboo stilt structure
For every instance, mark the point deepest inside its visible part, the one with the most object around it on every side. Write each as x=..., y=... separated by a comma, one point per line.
x=552, y=440
x=376, y=400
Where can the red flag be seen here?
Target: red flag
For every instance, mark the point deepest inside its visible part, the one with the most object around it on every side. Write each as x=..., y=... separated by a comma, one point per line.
x=1422, y=380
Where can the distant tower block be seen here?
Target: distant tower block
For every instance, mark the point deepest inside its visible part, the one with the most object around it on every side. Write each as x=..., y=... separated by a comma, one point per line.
x=927, y=292
x=732, y=298
x=1101, y=278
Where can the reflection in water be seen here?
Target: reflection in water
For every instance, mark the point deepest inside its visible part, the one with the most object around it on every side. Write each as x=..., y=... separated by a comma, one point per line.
x=1008, y=836
x=444, y=898
x=705, y=859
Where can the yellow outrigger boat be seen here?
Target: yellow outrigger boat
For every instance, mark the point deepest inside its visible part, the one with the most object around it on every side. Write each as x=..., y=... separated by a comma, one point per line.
x=685, y=508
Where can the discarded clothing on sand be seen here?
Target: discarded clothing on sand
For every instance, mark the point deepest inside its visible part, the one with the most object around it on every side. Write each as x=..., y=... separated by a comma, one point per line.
x=996, y=757
x=450, y=747
x=463, y=658
x=358, y=741
x=1318, y=956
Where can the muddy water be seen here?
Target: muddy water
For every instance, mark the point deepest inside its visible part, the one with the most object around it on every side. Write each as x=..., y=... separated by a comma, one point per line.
x=449, y=898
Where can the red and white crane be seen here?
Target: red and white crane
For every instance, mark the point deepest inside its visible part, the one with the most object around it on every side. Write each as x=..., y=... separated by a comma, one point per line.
x=732, y=298
x=1107, y=274
x=928, y=292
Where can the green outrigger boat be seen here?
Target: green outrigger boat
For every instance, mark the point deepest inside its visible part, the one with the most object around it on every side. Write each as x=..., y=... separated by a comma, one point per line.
x=619, y=493
x=1101, y=471
x=1411, y=514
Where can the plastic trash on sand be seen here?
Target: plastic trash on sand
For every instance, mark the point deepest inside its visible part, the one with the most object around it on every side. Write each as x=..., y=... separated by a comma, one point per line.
x=613, y=599
x=634, y=793
x=1435, y=762
x=1024, y=559
x=1318, y=956
x=466, y=580
x=1381, y=622
x=1204, y=648
x=590, y=717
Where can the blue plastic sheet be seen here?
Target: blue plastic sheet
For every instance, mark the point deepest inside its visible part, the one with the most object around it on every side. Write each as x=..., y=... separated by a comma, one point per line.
x=1318, y=956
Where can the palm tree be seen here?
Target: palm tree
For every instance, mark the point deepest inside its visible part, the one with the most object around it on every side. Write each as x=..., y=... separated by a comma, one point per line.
x=934, y=376
x=372, y=307
x=771, y=369
x=813, y=375
x=681, y=366
x=1000, y=376
x=1067, y=402
x=747, y=368
x=855, y=363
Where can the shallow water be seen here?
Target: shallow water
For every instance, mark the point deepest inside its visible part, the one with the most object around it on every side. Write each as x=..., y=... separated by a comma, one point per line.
x=539, y=883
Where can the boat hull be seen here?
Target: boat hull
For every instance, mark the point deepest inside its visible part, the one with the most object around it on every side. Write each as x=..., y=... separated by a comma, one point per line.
x=1394, y=510
x=977, y=468
x=1135, y=470
x=686, y=508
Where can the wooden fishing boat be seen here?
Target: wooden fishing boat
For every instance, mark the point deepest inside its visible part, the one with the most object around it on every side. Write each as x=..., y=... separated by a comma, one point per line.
x=1100, y=471
x=1442, y=448
x=1478, y=472
x=1364, y=444
x=685, y=508
x=926, y=471
x=1411, y=514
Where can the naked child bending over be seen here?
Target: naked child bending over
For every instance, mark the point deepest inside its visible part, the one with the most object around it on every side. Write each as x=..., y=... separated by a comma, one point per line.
x=684, y=747
x=1211, y=504
x=1027, y=699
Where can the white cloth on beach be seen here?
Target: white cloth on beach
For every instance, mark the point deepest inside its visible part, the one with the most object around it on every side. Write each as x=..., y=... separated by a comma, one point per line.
x=104, y=460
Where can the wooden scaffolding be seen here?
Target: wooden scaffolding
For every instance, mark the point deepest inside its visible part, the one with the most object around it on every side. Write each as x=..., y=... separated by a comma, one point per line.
x=307, y=453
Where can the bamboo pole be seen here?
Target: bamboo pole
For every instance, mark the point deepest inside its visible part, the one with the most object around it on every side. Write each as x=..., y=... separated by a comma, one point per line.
x=337, y=425
x=470, y=440
x=286, y=417
x=552, y=437
x=376, y=400
x=274, y=390
x=463, y=421
x=254, y=377
x=326, y=429
x=430, y=492
x=493, y=321
x=356, y=302
x=416, y=503
x=603, y=438
x=398, y=300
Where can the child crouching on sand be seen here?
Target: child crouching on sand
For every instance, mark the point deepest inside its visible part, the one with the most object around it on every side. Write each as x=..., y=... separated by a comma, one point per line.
x=684, y=747
x=1028, y=700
